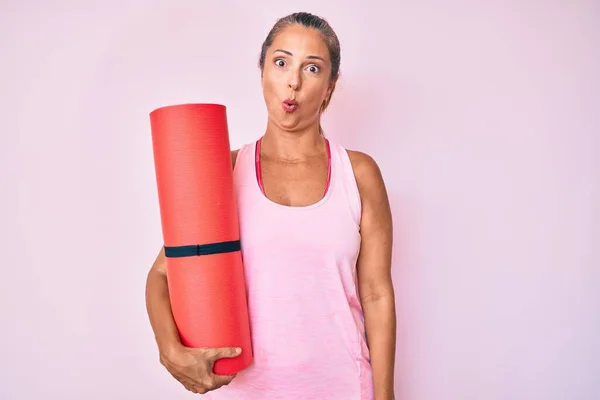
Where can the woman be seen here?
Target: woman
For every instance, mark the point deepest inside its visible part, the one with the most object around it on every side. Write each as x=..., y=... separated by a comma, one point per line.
x=316, y=233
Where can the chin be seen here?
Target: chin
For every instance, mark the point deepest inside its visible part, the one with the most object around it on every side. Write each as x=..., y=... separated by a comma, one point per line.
x=289, y=126
x=286, y=121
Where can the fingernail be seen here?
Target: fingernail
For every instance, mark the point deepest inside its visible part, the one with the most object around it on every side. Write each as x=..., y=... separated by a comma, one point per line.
x=238, y=350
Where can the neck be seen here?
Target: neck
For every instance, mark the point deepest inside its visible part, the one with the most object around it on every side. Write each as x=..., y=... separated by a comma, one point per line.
x=292, y=146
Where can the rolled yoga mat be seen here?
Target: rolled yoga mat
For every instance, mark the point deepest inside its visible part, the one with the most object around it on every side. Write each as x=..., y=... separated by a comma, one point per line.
x=200, y=229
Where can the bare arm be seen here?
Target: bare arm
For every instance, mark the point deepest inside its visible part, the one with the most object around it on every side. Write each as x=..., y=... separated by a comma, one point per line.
x=158, y=306
x=374, y=273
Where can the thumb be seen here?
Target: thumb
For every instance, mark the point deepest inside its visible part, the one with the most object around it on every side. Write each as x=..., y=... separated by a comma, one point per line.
x=227, y=352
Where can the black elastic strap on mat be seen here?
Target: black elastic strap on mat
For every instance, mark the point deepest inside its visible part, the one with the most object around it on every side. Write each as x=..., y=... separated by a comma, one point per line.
x=202, y=249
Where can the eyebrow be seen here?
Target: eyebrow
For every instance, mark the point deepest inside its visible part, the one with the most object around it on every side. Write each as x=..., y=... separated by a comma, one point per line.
x=290, y=54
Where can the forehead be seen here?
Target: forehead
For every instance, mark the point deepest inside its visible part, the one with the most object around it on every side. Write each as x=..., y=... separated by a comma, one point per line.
x=301, y=41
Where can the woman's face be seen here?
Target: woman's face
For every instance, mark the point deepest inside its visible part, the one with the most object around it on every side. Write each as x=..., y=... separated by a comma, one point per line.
x=295, y=78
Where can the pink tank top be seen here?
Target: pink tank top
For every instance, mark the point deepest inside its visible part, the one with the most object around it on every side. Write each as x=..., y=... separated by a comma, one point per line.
x=307, y=324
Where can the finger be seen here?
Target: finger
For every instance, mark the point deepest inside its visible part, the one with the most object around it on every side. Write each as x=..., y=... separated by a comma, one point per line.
x=190, y=388
x=223, y=380
x=223, y=352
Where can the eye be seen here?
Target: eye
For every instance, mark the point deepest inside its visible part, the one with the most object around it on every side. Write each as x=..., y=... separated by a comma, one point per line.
x=314, y=68
x=279, y=62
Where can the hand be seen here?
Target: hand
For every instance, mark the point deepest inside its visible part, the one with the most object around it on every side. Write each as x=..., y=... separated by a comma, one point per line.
x=193, y=368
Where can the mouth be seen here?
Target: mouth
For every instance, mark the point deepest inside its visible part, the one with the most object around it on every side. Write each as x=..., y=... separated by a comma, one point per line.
x=290, y=105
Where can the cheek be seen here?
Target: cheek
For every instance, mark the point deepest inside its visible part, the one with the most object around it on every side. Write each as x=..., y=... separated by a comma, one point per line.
x=270, y=87
x=318, y=93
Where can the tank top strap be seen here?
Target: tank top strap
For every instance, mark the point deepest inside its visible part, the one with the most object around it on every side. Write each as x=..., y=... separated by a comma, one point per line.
x=244, y=166
x=345, y=180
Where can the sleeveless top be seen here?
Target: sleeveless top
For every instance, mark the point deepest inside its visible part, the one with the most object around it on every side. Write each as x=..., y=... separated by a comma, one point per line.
x=307, y=324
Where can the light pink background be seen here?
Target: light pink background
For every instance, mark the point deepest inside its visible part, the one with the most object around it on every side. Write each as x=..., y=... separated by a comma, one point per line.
x=484, y=117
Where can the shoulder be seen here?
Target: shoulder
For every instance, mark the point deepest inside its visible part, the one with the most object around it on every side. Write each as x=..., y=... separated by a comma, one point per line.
x=367, y=173
x=234, y=154
x=242, y=150
x=376, y=218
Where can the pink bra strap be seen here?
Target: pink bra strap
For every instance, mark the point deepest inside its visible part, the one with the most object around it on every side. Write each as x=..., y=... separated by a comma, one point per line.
x=258, y=170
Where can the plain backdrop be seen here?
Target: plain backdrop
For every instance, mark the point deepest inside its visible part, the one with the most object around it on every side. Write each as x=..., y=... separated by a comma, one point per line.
x=484, y=117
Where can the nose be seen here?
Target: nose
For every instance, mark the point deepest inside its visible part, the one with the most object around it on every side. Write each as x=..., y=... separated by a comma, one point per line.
x=294, y=80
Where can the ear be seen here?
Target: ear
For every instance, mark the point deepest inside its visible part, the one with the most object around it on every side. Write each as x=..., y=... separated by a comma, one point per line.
x=329, y=93
x=331, y=88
